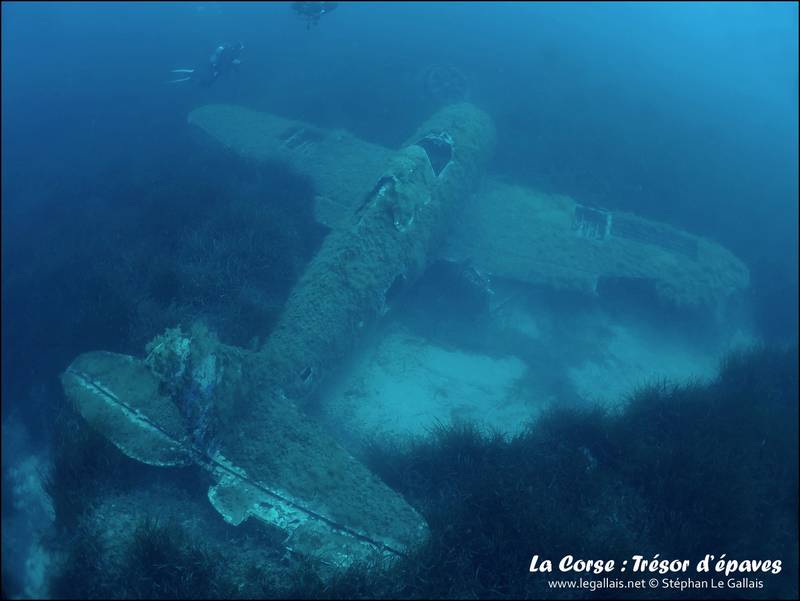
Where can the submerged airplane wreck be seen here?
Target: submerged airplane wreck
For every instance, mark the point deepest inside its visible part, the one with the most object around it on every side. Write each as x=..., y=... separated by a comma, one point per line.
x=239, y=415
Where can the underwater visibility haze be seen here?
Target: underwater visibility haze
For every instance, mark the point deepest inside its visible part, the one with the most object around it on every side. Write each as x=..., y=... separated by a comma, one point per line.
x=399, y=300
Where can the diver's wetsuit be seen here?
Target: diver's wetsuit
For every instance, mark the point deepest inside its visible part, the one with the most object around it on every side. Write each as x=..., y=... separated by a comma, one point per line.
x=224, y=59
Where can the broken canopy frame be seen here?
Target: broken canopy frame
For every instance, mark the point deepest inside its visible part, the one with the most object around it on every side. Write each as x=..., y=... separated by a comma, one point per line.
x=269, y=460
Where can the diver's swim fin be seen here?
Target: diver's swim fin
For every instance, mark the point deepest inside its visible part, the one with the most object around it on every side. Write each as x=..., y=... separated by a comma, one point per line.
x=182, y=79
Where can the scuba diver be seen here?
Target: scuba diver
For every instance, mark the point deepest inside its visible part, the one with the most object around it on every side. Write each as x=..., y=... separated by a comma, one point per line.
x=312, y=11
x=224, y=60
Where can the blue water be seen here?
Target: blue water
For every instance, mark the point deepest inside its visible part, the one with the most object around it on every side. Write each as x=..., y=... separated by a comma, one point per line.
x=685, y=113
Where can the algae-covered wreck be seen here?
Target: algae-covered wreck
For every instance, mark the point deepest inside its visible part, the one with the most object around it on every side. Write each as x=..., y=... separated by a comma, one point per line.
x=194, y=400
x=238, y=414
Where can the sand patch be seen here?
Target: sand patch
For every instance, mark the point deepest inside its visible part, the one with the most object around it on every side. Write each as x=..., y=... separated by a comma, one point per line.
x=405, y=385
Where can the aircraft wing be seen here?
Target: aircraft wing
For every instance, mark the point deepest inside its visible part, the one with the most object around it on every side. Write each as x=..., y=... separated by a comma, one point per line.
x=342, y=167
x=518, y=233
x=504, y=230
